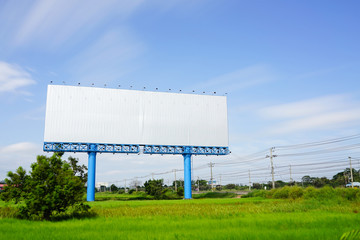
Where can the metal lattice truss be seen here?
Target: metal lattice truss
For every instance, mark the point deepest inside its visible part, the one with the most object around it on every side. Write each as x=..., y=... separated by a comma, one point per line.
x=85, y=147
x=124, y=148
x=157, y=149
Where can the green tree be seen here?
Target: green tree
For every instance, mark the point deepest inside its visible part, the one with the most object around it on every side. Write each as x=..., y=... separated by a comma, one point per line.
x=114, y=188
x=180, y=191
x=306, y=180
x=230, y=186
x=50, y=189
x=256, y=186
x=179, y=183
x=78, y=170
x=16, y=186
x=320, y=182
x=154, y=187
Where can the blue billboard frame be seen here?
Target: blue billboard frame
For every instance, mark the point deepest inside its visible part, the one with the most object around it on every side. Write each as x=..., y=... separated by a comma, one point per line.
x=93, y=148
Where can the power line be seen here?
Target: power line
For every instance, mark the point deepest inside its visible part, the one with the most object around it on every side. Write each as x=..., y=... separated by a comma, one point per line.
x=319, y=143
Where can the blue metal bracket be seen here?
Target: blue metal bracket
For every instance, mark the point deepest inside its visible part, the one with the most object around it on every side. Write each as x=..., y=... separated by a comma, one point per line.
x=85, y=147
x=161, y=149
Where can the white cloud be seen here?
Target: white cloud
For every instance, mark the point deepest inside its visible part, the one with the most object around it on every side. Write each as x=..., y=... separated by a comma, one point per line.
x=12, y=78
x=320, y=121
x=306, y=107
x=57, y=21
x=107, y=58
x=239, y=79
x=18, y=154
x=19, y=148
x=328, y=112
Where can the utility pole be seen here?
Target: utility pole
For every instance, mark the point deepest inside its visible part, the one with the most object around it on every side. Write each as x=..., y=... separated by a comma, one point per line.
x=192, y=171
x=249, y=181
x=211, y=179
x=198, y=185
x=136, y=184
x=351, y=174
x=125, y=186
x=272, y=165
x=220, y=183
x=291, y=180
x=175, y=180
x=152, y=175
x=192, y=167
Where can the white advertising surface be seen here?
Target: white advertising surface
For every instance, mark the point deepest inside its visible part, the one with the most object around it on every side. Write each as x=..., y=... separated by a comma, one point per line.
x=117, y=116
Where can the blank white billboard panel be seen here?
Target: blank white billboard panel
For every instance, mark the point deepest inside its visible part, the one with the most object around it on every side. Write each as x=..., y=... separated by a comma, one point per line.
x=100, y=115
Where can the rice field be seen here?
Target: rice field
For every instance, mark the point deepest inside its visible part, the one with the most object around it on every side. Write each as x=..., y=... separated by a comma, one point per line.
x=228, y=218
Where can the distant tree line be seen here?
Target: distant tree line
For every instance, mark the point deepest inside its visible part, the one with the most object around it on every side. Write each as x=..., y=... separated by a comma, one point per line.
x=338, y=180
x=156, y=187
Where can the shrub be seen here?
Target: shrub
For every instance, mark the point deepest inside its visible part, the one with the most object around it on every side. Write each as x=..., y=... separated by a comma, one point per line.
x=169, y=194
x=259, y=193
x=270, y=194
x=180, y=192
x=327, y=193
x=229, y=186
x=350, y=194
x=296, y=192
x=248, y=195
x=154, y=188
x=282, y=193
x=120, y=191
x=310, y=192
x=51, y=189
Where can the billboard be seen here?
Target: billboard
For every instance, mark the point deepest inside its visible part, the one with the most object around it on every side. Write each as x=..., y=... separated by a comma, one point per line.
x=117, y=116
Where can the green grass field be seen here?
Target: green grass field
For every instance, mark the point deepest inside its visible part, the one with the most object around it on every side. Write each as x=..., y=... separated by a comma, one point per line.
x=227, y=218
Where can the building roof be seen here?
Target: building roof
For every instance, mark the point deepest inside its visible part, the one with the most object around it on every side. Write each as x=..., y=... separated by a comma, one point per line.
x=356, y=184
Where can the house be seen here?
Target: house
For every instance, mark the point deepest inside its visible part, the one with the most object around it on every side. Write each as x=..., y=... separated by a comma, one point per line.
x=101, y=186
x=356, y=184
x=2, y=185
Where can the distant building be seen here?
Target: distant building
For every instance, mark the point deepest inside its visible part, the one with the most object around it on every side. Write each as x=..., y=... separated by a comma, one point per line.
x=356, y=184
x=2, y=185
x=101, y=186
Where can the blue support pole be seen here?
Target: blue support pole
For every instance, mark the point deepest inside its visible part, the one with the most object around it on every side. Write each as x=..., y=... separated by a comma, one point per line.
x=187, y=173
x=91, y=174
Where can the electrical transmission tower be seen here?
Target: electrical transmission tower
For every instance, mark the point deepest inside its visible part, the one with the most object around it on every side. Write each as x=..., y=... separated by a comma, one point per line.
x=211, y=165
x=272, y=165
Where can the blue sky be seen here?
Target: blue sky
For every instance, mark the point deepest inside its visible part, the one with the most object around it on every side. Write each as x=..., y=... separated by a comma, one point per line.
x=290, y=69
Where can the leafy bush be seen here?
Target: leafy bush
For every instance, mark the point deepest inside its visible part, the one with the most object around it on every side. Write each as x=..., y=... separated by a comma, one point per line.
x=256, y=193
x=120, y=191
x=281, y=192
x=230, y=186
x=215, y=195
x=154, y=188
x=260, y=193
x=51, y=189
x=296, y=192
x=310, y=192
x=180, y=191
x=326, y=193
x=350, y=194
x=169, y=194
